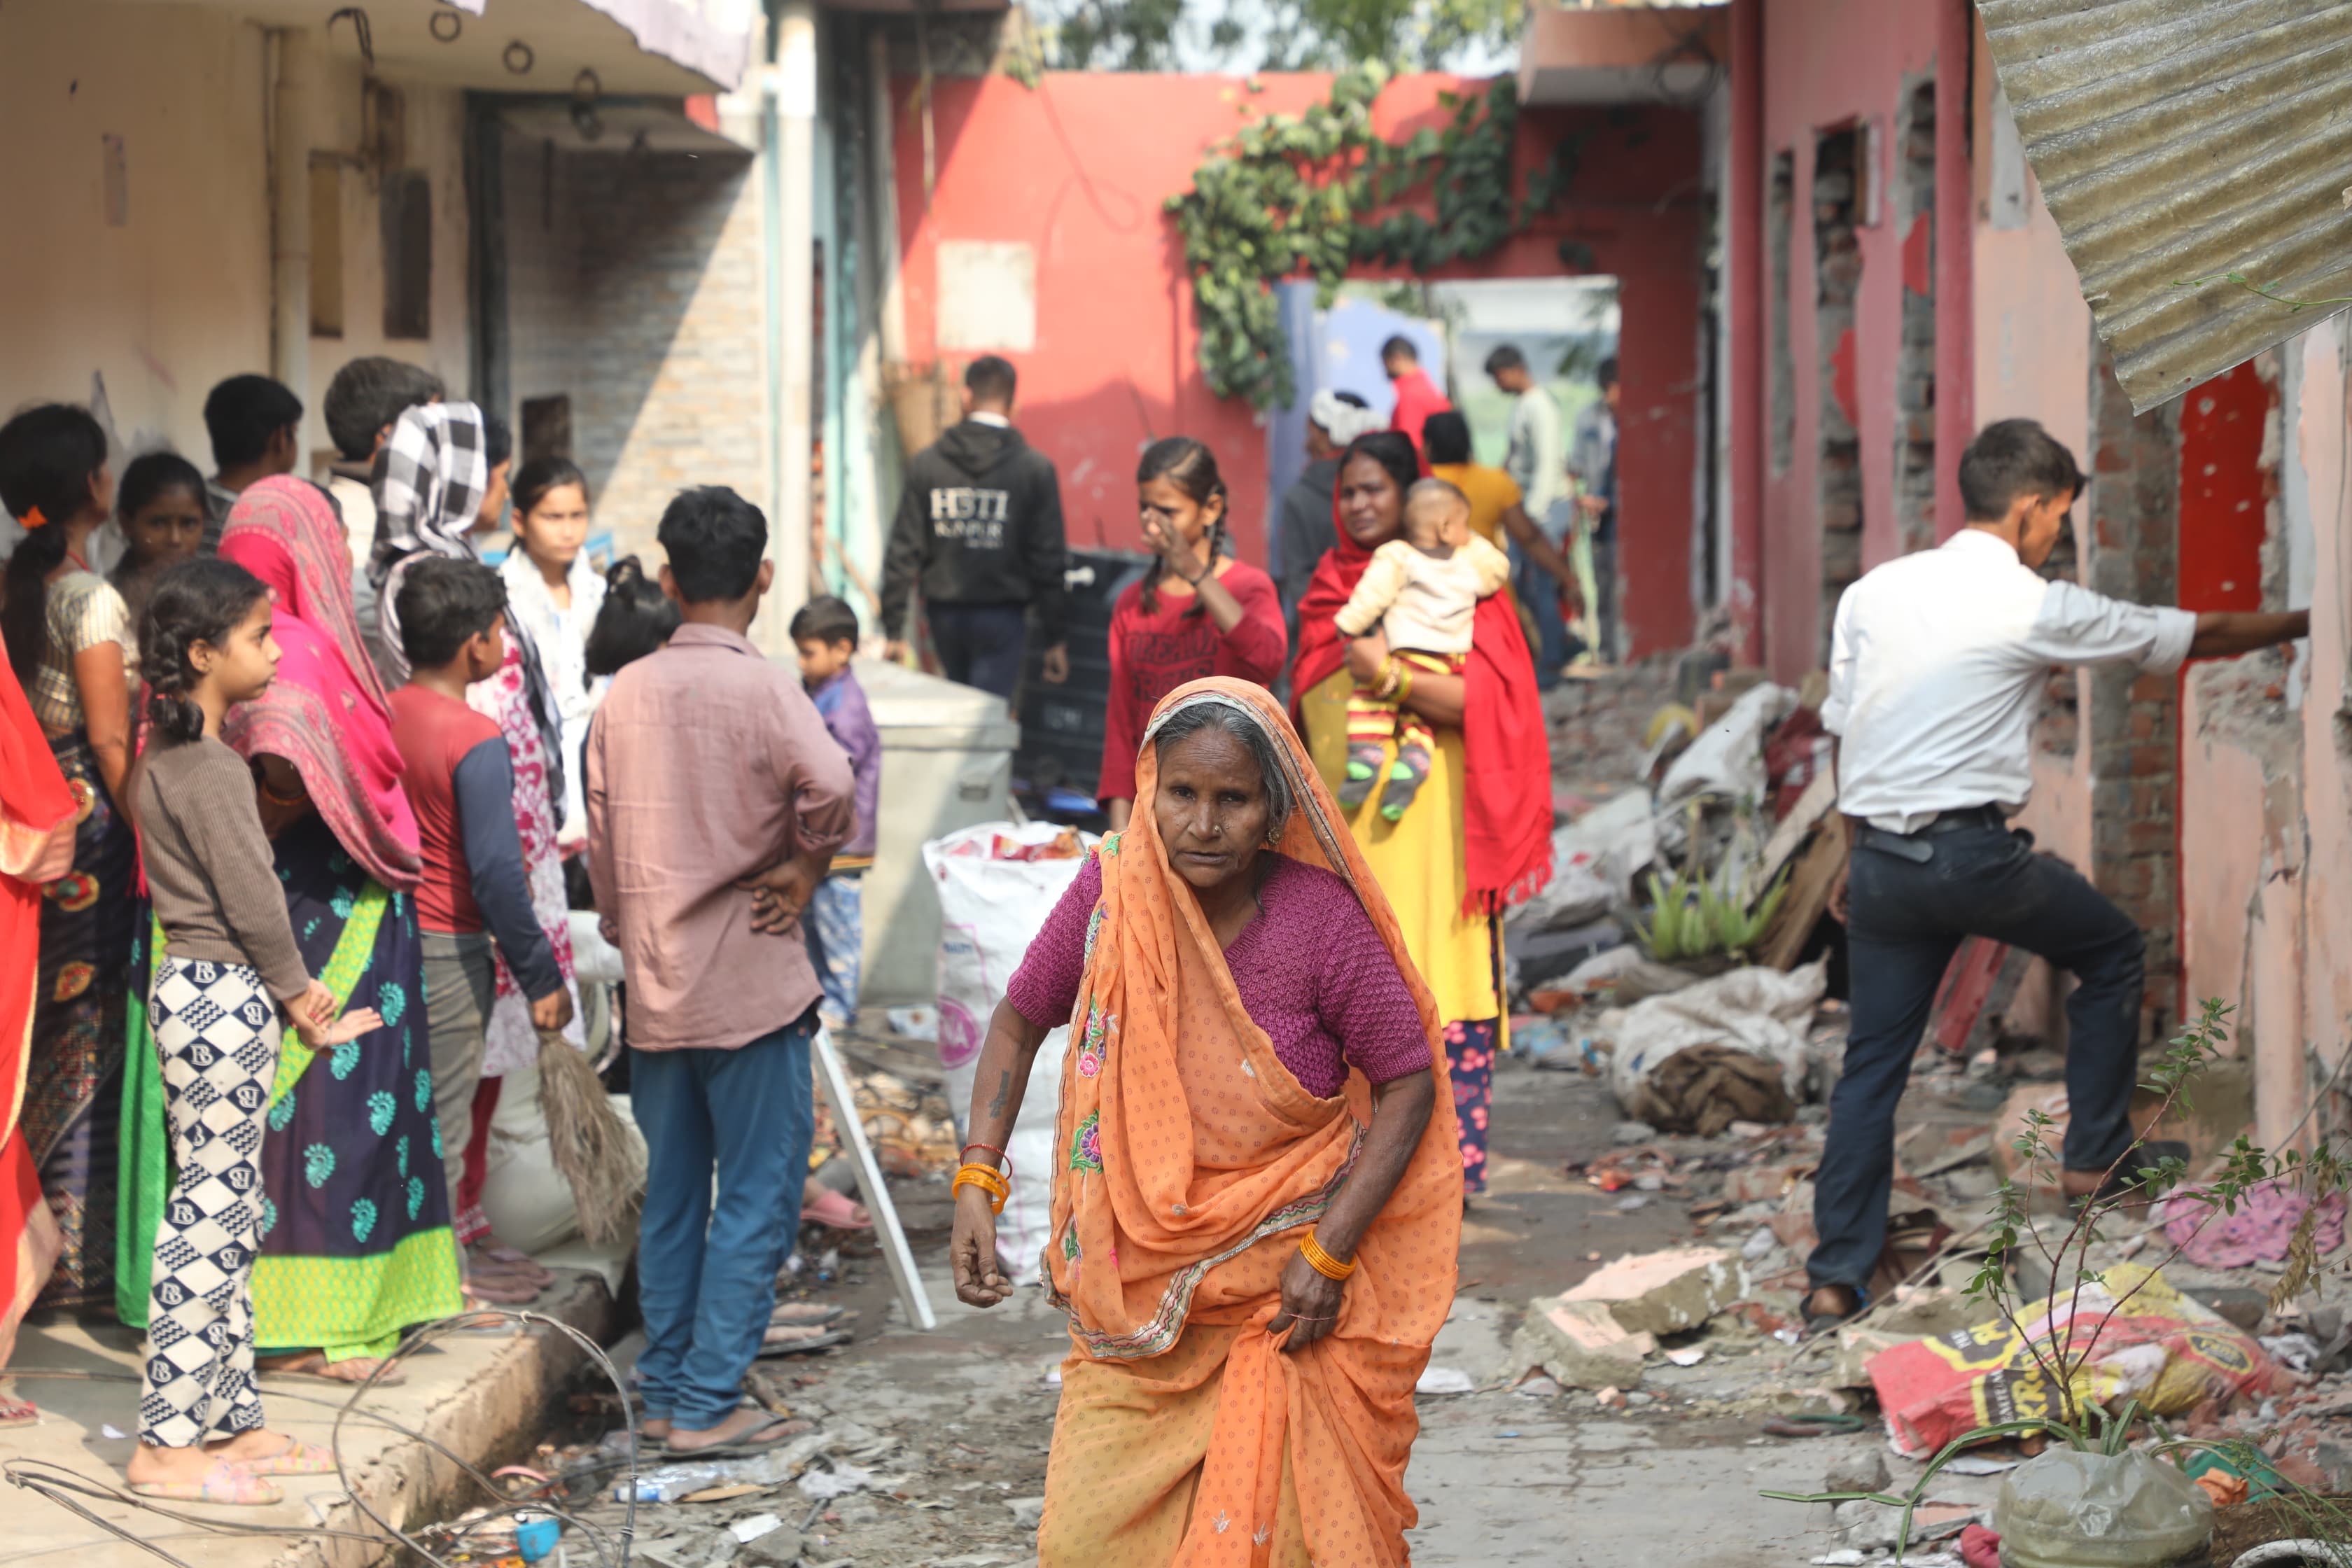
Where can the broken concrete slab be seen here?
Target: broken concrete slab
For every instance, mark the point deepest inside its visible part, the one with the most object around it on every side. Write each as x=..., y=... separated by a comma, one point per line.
x=1665, y=1293
x=1582, y=1344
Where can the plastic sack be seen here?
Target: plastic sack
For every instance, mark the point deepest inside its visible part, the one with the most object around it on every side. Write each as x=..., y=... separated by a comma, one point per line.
x=1762, y=1012
x=1594, y=862
x=2069, y=1509
x=1726, y=763
x=997, y=883
x=2167, y=1352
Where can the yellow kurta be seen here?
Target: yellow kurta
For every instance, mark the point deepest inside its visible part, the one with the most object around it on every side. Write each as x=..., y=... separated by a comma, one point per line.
x=1419, y=859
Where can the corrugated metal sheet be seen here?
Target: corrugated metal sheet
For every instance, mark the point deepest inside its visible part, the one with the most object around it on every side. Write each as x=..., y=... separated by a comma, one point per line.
x=2187, y=139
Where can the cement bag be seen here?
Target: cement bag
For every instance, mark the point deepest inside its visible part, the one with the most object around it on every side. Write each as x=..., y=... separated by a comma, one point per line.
x=2157, y=1347
x=997, y=883
x=1753, y=1012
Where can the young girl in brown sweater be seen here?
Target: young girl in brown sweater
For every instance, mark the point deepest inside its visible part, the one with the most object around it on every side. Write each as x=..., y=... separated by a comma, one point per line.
x=228, y=965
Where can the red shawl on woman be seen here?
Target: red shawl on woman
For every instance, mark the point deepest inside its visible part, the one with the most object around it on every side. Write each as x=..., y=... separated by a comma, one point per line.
x=34, y=803
x=1506, y=798
x=326, y=712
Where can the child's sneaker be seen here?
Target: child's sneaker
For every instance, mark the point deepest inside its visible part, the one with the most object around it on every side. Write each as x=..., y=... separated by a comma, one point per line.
x=1405, y=777
x=1363, y=772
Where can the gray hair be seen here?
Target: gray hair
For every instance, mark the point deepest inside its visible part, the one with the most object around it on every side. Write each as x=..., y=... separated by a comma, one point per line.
x=1213, y=711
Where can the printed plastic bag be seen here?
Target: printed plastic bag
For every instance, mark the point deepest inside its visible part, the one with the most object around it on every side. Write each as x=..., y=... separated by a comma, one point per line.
x=997, y=883
x=2168, y=1352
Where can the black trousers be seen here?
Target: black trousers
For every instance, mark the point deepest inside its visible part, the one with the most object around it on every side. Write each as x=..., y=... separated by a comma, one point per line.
x=980, y=645
x=1908, y=916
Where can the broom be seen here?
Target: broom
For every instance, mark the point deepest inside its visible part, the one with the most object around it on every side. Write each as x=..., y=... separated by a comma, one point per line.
x=592, y=1148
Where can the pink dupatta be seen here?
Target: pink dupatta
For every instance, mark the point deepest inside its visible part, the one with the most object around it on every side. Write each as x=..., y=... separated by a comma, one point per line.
x=326, y=712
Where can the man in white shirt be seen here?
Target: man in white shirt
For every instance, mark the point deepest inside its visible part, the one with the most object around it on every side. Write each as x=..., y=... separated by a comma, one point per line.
x=1936, y=666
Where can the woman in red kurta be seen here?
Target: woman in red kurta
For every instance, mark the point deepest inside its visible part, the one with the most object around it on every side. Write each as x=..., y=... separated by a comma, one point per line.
x=1199, y=611
x=38, y=817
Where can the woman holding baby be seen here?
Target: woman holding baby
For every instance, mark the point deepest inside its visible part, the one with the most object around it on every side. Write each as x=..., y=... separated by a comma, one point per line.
x=1476, y=834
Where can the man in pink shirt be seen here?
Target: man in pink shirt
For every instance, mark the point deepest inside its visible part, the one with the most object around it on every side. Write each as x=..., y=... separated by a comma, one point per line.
x=1417, y=396
x=709, y=773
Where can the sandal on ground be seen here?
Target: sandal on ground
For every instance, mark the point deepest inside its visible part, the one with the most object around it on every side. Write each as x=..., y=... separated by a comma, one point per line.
x=1817, y=1323
x=229, y=1485
x=314, y=1367
x=795, y=1340
x=763, y=1434
x=834, y=1210
x=18, y=1412
x=804, y=1314
x=297, y=1459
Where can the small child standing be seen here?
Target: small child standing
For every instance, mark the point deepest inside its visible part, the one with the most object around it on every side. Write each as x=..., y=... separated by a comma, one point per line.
x=460, y=780
x=826, y=634
x=1421, y=593
x=229, y=961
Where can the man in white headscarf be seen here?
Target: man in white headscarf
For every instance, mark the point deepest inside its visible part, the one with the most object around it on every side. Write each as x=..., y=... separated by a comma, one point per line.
x=1302, y=524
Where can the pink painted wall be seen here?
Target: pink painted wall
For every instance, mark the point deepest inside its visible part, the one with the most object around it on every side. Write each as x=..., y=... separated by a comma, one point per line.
x=1830, y=64
x=1080, y=167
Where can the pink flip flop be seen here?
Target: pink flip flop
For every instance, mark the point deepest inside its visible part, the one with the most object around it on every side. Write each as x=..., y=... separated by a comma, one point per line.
x=297, y=1459
x=833, y=1210
x=231, y=1486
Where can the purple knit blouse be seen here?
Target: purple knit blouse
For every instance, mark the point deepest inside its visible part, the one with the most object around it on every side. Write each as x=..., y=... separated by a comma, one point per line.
x=1311, y=971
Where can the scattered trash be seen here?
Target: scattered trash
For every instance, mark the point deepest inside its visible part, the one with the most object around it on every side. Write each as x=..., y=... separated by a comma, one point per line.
x=2296, y=1352
x=1979, y=1464
x=1444, y=1380
x=1026, y=1511
x=108, y=1429
x=2260, y=1231
x=821, y=1485
x=1979, y=1547
x=914, y=1023
x=749, y=1530
x=2127, y=1509
x=1691, y=1357
x=1750, y=1028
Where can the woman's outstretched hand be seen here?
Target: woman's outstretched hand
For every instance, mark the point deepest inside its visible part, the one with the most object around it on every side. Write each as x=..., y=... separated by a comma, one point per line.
x=980, y=1279
x=1310, y=1304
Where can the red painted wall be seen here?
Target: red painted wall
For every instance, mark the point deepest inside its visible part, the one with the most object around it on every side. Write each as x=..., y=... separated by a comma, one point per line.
x=1080, y=168
x=1828, y=64
x=2224, y=494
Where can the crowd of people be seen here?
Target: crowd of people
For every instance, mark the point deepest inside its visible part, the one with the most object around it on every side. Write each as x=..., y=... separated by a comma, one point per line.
x=299, y=795
x=296, y=797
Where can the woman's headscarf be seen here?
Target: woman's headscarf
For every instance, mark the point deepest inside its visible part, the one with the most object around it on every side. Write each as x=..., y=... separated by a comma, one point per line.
x=326, y=712
x=1507, y=752
x=1167, y=1217
x=437, y=470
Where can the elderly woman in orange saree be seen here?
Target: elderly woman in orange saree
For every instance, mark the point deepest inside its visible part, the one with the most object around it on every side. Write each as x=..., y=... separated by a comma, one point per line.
x=1257, y=1197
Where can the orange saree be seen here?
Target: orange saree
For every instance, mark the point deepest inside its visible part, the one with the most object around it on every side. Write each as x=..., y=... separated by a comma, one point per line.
x=34, y=803
x=1192, y=1162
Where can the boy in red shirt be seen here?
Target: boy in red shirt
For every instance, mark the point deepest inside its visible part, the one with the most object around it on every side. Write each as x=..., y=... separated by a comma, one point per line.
x=460, y=780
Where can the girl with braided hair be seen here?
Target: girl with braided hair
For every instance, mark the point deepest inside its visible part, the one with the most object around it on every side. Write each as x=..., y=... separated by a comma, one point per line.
x=1197, y=612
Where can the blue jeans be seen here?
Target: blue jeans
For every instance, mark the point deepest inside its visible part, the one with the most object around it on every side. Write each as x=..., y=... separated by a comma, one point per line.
x=1912, y=900
x=706, y=1270
x=835, y=923
x=980, y=645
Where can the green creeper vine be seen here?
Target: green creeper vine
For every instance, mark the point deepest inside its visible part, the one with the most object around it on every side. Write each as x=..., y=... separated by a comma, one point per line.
x=1314, y=193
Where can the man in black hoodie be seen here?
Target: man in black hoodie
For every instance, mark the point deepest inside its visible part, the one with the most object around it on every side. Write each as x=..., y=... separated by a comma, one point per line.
x=980, y=524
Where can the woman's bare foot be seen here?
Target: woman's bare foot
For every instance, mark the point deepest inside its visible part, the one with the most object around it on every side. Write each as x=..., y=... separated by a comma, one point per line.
x=154, y=1466
x=314, y=1363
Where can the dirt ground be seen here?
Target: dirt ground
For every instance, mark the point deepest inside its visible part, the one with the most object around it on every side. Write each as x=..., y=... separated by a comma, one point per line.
x=956, y=1423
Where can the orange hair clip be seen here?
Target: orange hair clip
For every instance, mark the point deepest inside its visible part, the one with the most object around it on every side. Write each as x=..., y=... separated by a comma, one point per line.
x=34, y=517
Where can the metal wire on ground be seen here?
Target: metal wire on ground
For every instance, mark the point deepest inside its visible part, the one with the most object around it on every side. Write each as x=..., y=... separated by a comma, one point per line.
x=65, y=1487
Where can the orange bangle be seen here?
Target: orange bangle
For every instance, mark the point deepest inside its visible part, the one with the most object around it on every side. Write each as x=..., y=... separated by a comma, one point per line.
x=986, y=1179
x=1322, y=1262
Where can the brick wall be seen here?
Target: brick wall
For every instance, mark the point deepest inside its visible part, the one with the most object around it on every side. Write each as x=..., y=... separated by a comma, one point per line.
x=2134, y=725
x=637, y=291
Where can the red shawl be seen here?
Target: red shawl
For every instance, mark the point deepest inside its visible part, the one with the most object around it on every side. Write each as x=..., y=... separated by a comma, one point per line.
x=1506, y=798
x=34, y=803
x=326, y=712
